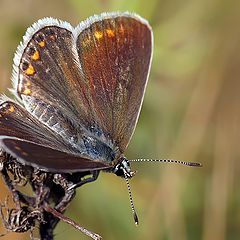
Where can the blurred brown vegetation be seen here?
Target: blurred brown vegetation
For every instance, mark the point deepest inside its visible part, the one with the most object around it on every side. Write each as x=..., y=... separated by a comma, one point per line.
x=191, y=112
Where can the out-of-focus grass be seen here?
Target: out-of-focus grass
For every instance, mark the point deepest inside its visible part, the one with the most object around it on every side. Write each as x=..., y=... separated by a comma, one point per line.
x=191, y=112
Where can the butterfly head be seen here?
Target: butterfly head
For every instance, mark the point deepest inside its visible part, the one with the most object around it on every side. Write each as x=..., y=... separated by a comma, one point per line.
x=123, y=168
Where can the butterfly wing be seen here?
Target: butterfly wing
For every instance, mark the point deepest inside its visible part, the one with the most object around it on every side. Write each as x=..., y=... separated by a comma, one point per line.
x=47, y=158
x=115, y=54
x=94, y=75
x=30, y=141
x=46, y=70
x=15, y=121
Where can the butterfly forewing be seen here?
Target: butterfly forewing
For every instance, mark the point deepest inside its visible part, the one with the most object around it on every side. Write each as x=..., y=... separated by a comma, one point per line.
x=115, y=55
x=47, y=69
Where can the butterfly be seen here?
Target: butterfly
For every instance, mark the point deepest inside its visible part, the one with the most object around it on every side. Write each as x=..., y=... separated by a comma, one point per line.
x=78, y=94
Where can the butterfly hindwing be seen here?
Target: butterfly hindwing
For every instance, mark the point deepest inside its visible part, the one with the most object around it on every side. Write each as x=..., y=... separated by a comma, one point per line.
x=15, y=121
x=48, y=159
x=26, y=138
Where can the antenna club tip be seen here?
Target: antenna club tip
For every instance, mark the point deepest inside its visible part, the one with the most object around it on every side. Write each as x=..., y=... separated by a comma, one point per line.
x=195, y=164
x=136, y=219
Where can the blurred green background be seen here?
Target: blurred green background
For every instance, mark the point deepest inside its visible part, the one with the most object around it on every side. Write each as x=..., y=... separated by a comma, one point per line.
x=191, y=112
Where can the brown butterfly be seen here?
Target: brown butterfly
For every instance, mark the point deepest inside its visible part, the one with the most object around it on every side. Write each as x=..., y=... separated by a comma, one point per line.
x=79, y=93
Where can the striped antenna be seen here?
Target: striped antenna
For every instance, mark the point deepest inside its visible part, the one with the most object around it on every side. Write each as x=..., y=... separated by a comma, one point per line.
x=190, y=164
x=131, y=201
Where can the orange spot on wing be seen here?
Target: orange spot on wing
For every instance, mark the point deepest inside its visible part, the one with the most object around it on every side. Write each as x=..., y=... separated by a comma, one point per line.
x=27, y=91
x=98, y=34
x=36, y=55
x=11, y=109
x=30, y=70
x=110, y=32
x=41, y=44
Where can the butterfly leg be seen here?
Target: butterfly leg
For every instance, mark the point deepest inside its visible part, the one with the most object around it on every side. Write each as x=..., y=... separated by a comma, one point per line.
x=69, y=186
x=81, y=182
